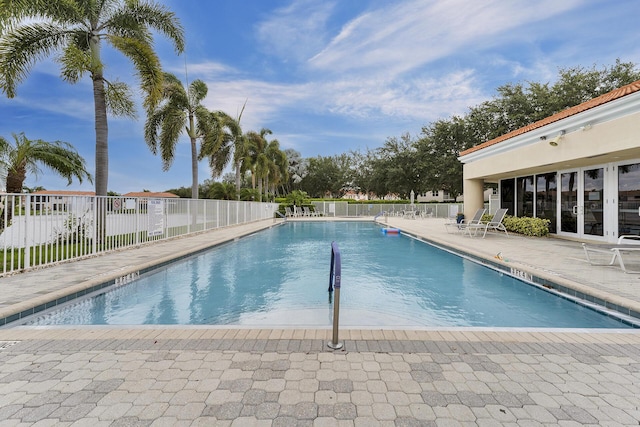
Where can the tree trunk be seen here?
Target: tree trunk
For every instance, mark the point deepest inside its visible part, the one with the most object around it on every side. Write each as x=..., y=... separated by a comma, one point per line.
x=100, y=106
x=194, y=157
x=102, y=137
x=238, y=179
x=15, y=179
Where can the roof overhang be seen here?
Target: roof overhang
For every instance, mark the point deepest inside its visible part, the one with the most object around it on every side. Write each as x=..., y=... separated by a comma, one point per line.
x=612, y=110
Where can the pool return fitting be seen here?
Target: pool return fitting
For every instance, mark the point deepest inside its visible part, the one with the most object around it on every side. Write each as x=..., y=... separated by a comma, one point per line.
x=334, y=282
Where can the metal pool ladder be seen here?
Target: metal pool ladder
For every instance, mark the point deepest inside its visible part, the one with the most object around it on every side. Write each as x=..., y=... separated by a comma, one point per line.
x=334, y=282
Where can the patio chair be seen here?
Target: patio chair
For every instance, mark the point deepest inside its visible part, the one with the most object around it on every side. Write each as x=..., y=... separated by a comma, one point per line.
x=624, y=244
x=307, y=211
x=460, y=226
x=288, y=212
x=427, y=213
x=409, y=213
x=494, y=224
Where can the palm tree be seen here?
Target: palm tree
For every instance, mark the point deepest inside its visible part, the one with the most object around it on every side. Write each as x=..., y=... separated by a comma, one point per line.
x=35, y=29
x=25, y=156
x=256, y=157
x=222, y=191
x=265, y=159
x=181, y=109
x=230, y=140
x=219, y=147
x=277, y=166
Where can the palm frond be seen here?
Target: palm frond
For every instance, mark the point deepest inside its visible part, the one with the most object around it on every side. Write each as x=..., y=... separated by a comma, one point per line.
x=75, y=61
x=171, y=129
x=120, y=100
x=146, y=63
x=22, y=47
x=197, y=92
x=135, y=15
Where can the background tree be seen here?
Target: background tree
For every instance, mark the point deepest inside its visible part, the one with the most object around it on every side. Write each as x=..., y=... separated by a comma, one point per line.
x=438, y=149
x=222, y=191
x=326, y=176
x=296, y=169
x=25, y=156
x=257, y=158
x=181, y=109
x=33, y=30
x=515, y=106
x=230, y=146
x=361, y=171
x=276, y=170
x=222, y=148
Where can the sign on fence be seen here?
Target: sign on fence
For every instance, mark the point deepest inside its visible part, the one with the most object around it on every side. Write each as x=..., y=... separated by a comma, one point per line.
x=155, y=211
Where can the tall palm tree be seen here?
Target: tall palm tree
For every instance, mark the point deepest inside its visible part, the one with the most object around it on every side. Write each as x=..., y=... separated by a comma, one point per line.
x=230, y=146
x=180, y=110
x=75, y=29
x=265, y=159
x=277, y=166
x=219, y=147
x=25, y=156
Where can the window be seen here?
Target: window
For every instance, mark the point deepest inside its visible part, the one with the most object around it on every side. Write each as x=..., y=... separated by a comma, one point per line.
x=546, y=194
x=507, y=200
x=524, y=191
x=629, y=199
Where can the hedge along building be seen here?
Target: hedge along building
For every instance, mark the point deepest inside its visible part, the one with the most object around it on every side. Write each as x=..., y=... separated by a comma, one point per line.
x=579, y=168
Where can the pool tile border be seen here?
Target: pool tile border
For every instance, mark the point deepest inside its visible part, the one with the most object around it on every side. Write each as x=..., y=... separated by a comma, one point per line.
x=116, y=281
x=563, y=291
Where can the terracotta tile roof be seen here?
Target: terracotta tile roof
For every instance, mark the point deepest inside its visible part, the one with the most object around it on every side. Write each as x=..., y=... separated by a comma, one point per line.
x=66, y=192
x=149, y=194
x=595, y=102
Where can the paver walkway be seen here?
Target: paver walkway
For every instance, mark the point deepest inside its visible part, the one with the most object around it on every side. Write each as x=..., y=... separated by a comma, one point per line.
x=172, y=376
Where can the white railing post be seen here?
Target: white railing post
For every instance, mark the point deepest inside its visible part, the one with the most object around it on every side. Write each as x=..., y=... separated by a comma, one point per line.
x=27, y=223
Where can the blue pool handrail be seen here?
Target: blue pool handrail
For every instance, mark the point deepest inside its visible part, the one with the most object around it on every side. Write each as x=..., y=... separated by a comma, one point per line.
x=334, y=282
x=336, y=267
x=380, y=214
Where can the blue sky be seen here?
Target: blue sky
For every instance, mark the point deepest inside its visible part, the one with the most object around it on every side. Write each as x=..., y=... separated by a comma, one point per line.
x=329, y=76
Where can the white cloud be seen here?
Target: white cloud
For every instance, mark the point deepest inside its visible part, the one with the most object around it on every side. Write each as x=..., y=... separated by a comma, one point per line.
x=297, y=31
x=404, y=36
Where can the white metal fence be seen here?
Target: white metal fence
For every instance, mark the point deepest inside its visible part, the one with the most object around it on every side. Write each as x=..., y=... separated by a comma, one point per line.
x=37, y=230
x=424, y=210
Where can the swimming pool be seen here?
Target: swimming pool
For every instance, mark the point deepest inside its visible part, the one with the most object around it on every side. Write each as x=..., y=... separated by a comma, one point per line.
x=280, y=276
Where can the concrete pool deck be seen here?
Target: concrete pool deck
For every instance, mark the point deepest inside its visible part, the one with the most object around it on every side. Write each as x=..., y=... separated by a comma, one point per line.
x=288, y=377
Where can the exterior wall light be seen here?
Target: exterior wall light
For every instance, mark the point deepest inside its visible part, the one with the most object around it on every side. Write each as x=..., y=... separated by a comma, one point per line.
x=554, y=141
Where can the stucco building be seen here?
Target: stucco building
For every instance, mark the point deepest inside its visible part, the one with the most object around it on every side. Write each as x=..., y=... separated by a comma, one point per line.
x=579, y=168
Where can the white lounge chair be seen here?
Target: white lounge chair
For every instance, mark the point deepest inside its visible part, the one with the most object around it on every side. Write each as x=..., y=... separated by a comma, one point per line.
x=624, y=244
x=494, y=224
x=460, y=226
x=288, y=212
x=409, y=213
x=307, y=211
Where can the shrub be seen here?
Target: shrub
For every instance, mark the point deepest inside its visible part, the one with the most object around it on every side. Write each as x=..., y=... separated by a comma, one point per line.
x=527, y=226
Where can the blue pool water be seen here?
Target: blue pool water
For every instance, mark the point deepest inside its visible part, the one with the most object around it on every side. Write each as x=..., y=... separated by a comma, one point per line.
x=280, y=277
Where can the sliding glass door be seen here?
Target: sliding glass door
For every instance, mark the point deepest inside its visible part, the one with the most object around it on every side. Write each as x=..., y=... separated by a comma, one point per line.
x=581, y=203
